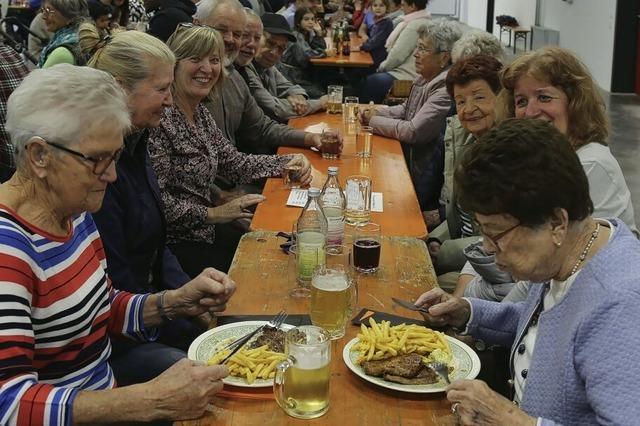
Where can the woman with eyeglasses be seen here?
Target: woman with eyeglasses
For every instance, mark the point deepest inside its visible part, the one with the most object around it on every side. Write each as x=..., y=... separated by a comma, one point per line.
x=419, y=122
x=62, y=18
x=573, y=340
x=132, y=220
x=188, y=151
x=58, y=307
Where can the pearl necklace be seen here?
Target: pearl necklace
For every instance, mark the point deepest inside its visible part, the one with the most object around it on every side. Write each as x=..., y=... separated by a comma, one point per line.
x=584, y=253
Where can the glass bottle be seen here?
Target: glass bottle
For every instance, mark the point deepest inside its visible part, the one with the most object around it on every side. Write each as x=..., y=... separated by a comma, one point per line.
x=311, y=236
x=333, y=203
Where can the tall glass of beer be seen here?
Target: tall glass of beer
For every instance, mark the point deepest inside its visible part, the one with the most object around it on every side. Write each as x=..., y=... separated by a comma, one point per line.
x=301, y=384
x=333, y=297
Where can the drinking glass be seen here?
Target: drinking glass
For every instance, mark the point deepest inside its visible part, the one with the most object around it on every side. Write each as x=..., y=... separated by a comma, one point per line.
x=363, y=141
x=291, y=175
x=366, y=247
x=333, y=298
x=301, y=384
x=334, y=101
x=351, y=109
x=358, y=194
x=330, y=143
x=301, y=289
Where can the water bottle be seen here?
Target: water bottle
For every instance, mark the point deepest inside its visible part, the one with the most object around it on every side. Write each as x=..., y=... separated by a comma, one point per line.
x=311, y=237
x=333, y=203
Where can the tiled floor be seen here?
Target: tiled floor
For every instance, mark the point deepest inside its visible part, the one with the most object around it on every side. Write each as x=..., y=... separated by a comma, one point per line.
x=624, y=113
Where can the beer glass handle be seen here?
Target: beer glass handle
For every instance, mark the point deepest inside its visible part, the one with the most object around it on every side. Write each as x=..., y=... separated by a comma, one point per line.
x=279, y=383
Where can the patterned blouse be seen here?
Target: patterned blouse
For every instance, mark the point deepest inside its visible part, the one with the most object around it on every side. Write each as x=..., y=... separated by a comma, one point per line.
x=187, y=159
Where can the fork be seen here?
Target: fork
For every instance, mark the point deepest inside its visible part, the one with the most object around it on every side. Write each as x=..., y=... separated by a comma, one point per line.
x=441, y=369
x=276, y=322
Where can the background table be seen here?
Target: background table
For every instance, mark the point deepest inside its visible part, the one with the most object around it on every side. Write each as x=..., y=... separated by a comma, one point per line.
x=386, y=167
x=354, y=60
x=260, y=269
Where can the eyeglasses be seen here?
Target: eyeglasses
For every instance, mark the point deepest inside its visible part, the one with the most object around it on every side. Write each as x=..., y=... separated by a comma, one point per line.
x=423, y=50
x=46, y=11
x=495, y=239
x=100, y=164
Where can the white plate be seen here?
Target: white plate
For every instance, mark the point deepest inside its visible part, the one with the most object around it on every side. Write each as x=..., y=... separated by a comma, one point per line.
x=466, y=366
x=204, y=346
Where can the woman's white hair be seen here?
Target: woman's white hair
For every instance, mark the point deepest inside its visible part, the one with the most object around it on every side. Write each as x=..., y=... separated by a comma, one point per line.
x=443, y=32
x=477, y=42
x=62, y=104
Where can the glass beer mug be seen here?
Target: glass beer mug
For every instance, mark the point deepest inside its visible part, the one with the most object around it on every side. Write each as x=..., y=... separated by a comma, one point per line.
x=333, y=297
x=301, y=384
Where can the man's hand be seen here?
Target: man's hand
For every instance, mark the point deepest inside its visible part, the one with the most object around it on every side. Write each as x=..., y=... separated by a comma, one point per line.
x=299, y=104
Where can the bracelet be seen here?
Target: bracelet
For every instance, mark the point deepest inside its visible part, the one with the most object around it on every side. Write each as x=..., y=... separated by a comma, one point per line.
x=160, y=306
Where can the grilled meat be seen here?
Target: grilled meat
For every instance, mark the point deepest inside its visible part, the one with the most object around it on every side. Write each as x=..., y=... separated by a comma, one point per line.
x=407, y=366
x=272, y=337
x=426, y=376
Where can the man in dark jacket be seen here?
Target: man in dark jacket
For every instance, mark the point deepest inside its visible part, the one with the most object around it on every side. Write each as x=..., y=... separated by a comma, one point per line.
x=167, y=15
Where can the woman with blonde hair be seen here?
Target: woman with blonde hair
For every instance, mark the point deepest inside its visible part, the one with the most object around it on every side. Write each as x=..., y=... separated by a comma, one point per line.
x=188, y=151
x=132, y=217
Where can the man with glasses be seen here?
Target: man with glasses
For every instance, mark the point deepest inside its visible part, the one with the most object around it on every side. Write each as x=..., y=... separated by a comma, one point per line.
x=233, y=108
x=278, y=97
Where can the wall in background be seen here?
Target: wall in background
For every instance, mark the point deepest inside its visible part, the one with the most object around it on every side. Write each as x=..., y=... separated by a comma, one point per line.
x=474, y=13
x=587, y=28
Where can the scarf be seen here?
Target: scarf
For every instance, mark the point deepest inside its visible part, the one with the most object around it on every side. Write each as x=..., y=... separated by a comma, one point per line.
x=400, y=27
x=65, y=36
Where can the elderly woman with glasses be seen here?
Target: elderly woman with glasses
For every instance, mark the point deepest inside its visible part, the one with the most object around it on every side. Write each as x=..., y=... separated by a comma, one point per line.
x=188, y=151
x=419, y=122
x=58, y=308
x=62, y=18
x=572, y=339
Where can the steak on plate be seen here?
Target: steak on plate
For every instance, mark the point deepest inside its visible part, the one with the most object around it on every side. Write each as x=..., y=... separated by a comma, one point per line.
x=407, y=366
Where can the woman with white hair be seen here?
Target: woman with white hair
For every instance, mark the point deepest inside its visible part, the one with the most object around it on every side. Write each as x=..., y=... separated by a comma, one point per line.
x=58, y=308
x=419, y=122
x=62, y=18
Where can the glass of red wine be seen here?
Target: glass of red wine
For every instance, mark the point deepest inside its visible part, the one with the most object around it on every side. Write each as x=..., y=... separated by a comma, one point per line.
x=366, y=247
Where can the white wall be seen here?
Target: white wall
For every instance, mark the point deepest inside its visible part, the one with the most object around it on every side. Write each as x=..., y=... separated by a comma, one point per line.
x=587, y=28
x=474, y=13
x=523, y=10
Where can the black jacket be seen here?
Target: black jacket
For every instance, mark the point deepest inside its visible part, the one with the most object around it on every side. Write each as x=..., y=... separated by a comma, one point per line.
x=168, y=15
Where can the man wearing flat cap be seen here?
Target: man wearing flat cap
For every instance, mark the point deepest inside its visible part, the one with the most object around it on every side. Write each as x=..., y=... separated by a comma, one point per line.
x=278, y=97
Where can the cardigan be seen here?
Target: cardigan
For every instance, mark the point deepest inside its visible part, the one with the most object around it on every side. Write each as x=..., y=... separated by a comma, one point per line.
x=418, y=122
x=378, y=34
x=57, y=312
x=584, y=370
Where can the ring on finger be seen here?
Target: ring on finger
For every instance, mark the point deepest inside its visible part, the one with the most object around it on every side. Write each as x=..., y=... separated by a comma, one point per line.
x=454, y=407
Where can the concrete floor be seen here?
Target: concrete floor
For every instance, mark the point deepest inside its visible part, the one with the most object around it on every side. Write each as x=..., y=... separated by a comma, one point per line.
x=624, y=140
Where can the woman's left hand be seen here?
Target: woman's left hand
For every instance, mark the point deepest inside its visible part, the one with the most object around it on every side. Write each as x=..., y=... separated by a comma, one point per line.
x=305, y=171
x=476, y=404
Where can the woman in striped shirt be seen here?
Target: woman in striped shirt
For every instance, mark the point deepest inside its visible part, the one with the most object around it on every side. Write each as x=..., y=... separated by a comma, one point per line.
x=58, y=308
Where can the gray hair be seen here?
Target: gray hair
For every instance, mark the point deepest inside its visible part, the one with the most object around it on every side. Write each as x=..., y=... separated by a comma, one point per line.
x=442, y=32
x=75, y=10
x=477, y=42
x=207, y=7
x=62, y=104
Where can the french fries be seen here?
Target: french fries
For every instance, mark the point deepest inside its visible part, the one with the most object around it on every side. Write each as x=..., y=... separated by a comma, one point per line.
x=381, y=341
x=252, y=364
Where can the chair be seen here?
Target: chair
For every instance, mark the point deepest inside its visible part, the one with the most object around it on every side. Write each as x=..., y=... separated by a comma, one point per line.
x=399, y=92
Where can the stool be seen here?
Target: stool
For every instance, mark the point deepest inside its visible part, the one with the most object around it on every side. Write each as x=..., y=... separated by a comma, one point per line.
x=520, y=33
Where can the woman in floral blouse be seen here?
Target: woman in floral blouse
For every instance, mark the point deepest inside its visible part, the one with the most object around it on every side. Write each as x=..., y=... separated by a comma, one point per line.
x=188, y=151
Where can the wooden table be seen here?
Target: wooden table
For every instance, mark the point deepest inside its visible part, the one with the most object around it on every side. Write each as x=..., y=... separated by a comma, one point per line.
x=354, y=60
x=260, y=269
x=386, y=167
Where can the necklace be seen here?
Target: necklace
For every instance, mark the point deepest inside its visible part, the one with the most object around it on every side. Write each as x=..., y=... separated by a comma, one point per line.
x=584, y=253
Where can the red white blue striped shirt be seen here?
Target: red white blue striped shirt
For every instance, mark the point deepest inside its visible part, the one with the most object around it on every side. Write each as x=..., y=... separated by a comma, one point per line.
x=57, y=309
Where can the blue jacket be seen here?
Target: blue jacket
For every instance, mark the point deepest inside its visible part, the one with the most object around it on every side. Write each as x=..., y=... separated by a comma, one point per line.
x=585, y=368
x=378, y=34
x=133, y=230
